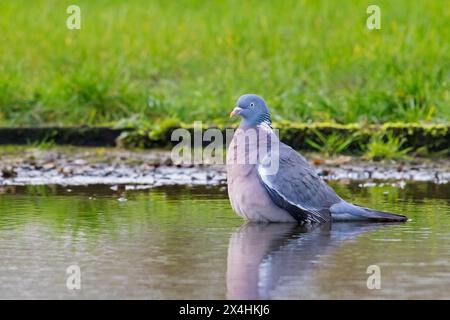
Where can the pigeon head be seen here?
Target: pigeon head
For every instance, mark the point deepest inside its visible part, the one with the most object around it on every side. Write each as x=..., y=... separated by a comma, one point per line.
x=253, y=111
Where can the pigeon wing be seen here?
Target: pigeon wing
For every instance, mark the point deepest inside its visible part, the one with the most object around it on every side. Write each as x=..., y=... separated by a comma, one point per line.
x=295, y=186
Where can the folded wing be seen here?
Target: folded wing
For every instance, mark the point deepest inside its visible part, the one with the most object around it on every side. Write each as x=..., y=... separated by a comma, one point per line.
x=296, y=187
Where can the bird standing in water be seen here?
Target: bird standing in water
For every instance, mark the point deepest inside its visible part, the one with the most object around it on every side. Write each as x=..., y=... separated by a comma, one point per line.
x=268, y=181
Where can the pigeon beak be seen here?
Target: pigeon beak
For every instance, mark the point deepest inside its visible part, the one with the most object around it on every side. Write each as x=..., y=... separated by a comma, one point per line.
x=235, y=112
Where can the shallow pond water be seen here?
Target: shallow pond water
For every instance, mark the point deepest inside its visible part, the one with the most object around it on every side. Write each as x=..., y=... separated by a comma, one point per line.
x=185, y=242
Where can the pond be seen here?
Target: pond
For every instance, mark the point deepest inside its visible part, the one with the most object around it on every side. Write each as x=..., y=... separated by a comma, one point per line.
x=186, y=243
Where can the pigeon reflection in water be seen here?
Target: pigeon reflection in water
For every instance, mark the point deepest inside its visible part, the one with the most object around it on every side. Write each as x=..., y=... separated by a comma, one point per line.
x=261, y=257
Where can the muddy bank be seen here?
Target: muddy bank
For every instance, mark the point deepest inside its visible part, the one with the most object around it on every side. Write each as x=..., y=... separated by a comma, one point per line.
x=84, y=166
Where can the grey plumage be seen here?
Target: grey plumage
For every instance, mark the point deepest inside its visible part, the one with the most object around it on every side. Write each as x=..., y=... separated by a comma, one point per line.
x=297, y=188
x=294, y=192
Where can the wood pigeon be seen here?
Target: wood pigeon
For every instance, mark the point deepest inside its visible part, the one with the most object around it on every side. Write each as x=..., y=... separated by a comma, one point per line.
x=268, y=181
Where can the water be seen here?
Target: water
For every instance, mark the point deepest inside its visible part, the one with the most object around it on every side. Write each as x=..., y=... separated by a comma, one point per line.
x=185, y=242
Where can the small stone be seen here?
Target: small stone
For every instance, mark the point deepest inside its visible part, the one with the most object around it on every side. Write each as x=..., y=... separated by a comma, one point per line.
x=48, y=166
x=8, y=173
x=79, y=162
x=317, y=161
x=167, y=162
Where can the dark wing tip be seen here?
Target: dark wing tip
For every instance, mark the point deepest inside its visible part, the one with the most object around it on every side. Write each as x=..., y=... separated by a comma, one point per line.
x=384, y=216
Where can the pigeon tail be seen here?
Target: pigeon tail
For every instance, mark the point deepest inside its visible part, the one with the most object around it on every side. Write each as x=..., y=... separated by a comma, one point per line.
x=344, y=211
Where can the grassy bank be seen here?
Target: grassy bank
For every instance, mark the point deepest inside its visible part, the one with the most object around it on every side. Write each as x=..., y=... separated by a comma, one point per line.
x=388, y=141
x=376, y=142
x=137, y=62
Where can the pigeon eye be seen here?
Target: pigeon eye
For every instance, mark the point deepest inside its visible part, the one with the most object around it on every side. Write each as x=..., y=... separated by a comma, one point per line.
x=252, y=105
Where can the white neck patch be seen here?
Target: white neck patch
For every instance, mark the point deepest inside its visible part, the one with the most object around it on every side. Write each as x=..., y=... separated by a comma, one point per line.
x=265, y=125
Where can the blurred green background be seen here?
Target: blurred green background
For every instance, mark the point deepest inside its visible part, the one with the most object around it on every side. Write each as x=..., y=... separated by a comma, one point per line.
x=136, y=62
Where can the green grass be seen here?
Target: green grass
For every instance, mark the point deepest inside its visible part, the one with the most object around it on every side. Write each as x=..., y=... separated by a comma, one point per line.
x=143, y=61
x=45, y=144
x=332, y=144
x=386, y=146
